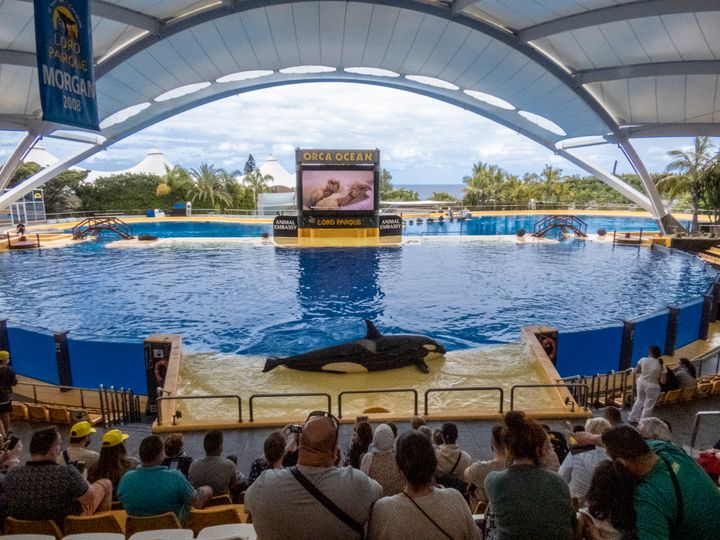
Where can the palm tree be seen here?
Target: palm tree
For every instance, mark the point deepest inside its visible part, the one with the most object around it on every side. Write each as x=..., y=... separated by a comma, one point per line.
x=688, y=166
x=208, y=185
x=257, y=182
x=176, y=180
x=484, y=185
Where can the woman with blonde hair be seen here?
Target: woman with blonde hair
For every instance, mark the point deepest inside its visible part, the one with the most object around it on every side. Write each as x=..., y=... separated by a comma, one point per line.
x=578, y=469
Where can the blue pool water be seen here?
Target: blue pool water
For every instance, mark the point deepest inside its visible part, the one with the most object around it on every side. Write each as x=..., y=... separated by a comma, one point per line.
x=486, y=225
x=250, y=297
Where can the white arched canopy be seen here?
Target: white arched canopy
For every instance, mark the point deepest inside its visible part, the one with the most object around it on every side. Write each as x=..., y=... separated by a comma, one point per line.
x=553, y=71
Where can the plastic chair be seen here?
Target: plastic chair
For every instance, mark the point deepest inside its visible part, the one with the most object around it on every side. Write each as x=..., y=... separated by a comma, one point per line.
x=219, y=500
x=687, y=394
x=102, y=522
x=94, y=536
x=228, y=532
x=38, y=413
x=218, y=515
x=163, y=534
x=136, y=524
x=21, y=526
x=19, y=411
x=27, y=537
x=59, y=415
x=671, y=396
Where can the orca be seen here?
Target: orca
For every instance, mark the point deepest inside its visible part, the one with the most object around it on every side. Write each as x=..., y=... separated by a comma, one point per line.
x=375, y=352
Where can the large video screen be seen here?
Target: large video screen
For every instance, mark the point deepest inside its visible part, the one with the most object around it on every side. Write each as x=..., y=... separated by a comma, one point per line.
x=338, y=190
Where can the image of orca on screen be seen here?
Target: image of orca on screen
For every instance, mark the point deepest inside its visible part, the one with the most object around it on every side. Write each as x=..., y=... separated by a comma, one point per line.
x=375, y=352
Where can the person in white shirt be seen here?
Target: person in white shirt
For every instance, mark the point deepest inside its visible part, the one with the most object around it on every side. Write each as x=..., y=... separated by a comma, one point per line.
x=578, y=469
x=650, y=373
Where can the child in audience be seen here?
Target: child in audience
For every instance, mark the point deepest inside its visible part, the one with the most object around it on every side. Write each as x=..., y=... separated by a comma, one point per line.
x=610, y=511
x=273, y=452
x=175, y=457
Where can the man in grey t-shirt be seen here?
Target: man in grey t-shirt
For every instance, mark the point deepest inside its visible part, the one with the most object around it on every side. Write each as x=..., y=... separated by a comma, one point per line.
x=213, y=470
x=282, y=508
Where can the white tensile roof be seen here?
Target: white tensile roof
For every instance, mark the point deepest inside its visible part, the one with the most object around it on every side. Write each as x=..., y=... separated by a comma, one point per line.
x=281, y=177
x=154, y=163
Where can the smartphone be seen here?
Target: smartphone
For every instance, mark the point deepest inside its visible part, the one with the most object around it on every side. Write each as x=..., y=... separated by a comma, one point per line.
x=13, y=442
x=174, y=464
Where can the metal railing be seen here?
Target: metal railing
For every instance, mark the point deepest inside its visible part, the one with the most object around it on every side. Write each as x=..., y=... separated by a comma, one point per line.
x=216, y=396
x=383, y=391
x=82, y=391
x=295, y=394
x=696, y=426
x=118, y=406
x=582, y=401
x=467, y=389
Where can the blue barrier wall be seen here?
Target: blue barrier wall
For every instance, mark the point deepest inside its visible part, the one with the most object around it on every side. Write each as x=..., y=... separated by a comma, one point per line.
x=649, y=330
x=688, y=326
x=33, y=353
x=589, y=351
x=118, y=363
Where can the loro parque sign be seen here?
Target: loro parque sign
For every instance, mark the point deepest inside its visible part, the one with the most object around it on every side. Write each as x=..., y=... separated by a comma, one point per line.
x=65, y=63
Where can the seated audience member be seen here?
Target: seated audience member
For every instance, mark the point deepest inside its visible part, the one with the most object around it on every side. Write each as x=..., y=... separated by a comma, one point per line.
x=610, y=511
x=43, y=489
x=154, y=489
x=175, y=457
x=612, y=415
x=451, y=459
x=437, y=438
x=9, y=459
x=361, y=438
x=282, y=503
x=421, y=511
x=475, y=474
x=527, y=499
x=380, y=465
x=114, y=461
x=273, y=452
x=214, y=470
x=655, y=428
x=427, y=431
x=685, y=374
x=675, y=498
x=577, y=469
x=77, y=450
x=416, y=421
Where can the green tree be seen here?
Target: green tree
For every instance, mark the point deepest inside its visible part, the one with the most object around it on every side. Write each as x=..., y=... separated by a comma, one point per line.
x=257, y=183
x=58, y=193
x=208, y=186
x=125, y=192
x=442, y=196
x=175, y=182
x=688, y=167
x=249, y=165
x=401, y=195
x=485, y=184
x=710, y=178
x=385, y=183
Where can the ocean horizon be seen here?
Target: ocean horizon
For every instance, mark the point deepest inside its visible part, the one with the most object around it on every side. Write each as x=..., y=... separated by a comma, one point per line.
x=425, y=190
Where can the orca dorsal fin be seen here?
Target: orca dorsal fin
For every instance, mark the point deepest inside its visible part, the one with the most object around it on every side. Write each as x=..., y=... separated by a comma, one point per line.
x=372, y=332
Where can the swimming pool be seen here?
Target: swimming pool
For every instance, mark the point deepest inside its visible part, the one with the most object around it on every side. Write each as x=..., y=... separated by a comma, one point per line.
x=245, y=296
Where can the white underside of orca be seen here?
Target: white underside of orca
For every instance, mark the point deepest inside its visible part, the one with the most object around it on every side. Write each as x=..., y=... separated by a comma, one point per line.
x=345, y=367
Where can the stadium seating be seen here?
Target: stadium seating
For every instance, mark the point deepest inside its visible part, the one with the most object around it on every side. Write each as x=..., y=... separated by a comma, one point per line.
x=99, y=522
x=135, y=524
x=225, y=532
x=23, y=527
x=218, y=515
x=163, y=534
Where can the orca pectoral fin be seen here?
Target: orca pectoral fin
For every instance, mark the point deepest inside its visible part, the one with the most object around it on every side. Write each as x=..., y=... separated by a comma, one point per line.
x=422, y=366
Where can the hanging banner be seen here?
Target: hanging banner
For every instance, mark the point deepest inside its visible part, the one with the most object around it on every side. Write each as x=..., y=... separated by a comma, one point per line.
x=65, y=63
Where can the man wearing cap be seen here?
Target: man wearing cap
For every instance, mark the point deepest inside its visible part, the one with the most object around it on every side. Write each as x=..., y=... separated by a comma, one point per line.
x=7, y=381
x=78, y=450
x=281, y=507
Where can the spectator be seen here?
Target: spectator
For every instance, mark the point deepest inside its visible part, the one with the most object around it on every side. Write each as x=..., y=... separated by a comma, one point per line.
x=528, y=500
x=7, y=381
x=685, y=374
x=437, y=438
x=612, y=415
x=43, y=489
x=422, y=511
x=651, y=373
x=451, y=459
x=282, y=507
x=578, y=469
x=675, y=498
x=77, y=451
x=655, y=428
x=380, y=464
x=475, y=474
x=417, y=421
x=292, y=436
x=273, y=452
x=114, y=461
x=175, y=457
x=427, y=431
x=610, y=511
x=361, y=438
x=213, y=470
x=154, y=489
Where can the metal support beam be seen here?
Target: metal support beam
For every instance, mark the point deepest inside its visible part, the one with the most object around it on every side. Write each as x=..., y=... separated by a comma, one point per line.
x=616, y=13
x=16, y=158
x=659, y=69
x=18, y=58
x=672, y=130
x=46, y=174
x=458, y=6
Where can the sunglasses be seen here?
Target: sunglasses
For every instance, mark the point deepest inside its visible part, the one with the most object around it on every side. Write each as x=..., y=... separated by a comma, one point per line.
x=326, y=414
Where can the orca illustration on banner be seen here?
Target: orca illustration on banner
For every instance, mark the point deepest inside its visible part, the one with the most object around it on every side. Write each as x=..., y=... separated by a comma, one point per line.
x=375, y=352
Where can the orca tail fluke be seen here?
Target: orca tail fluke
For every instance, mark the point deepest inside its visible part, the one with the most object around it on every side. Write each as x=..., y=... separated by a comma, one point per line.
x=272, y=362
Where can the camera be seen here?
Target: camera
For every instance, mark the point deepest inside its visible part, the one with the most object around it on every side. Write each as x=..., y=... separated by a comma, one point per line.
x=296, y=428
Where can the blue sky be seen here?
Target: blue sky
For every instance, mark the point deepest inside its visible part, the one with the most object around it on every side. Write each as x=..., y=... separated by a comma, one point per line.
x=422, y=141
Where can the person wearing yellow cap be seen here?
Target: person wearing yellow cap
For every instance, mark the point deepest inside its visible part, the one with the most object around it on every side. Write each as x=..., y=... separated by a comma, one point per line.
x=78, y=451
x=7, y=381
x=114, y=461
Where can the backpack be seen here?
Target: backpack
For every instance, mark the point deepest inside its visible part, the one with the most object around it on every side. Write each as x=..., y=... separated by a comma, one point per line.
x=449, y=480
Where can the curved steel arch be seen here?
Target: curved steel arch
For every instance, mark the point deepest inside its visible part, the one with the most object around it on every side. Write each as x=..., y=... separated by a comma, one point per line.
x=186, y=103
